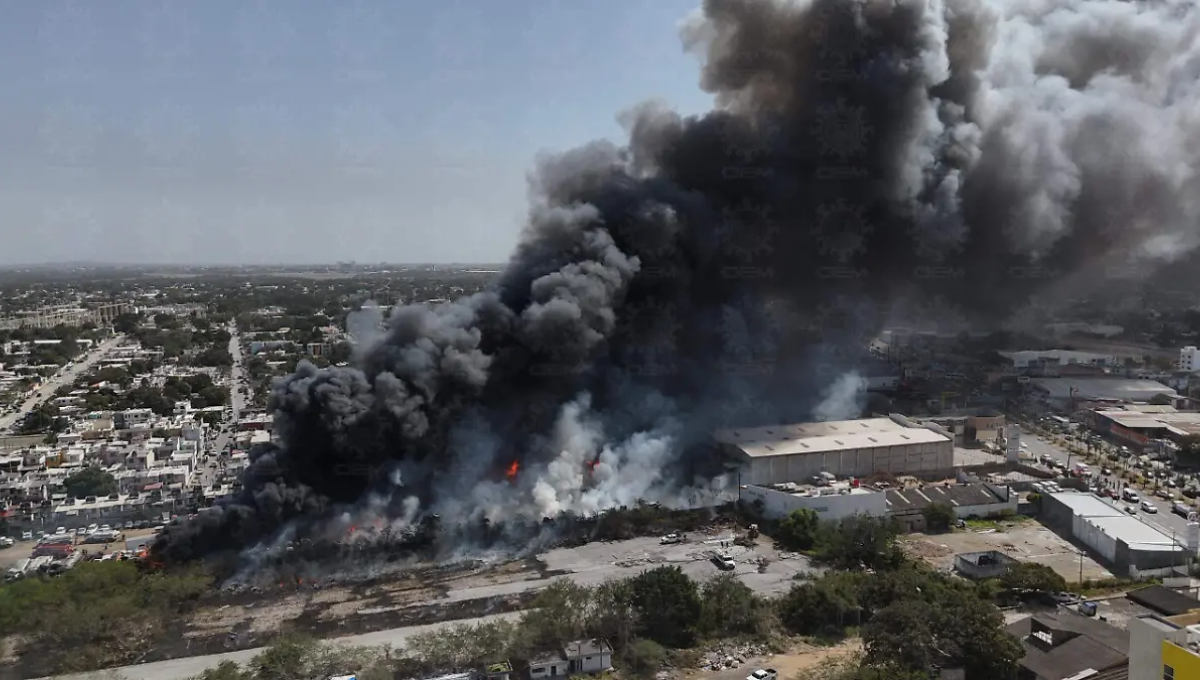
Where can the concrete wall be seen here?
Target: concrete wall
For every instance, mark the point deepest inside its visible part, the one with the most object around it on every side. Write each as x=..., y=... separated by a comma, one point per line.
x=1145, y=650
x=972, y=569
x=830, y=507
x=913, y=459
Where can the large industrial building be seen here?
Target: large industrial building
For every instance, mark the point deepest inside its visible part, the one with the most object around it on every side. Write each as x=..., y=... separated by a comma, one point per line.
x=1132, y=547
x=1071, y=394
x=1139, y=425
x=779, y=454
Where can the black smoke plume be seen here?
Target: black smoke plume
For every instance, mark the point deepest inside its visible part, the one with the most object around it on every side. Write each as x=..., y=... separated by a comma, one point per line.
x=961, y=155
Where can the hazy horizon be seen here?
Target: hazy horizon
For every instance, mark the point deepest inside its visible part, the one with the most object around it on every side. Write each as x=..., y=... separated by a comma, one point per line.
x=264, y=132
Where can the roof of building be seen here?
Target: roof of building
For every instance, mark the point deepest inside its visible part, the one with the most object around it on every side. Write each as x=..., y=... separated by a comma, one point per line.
x=1095, y=645
x=1116, y=673
x=956, y=495
x=587, y=647
x=1060, y=355
x=1086, y=504
x=838, y=435
x=1115, y=523
x=1178, y=423
x=1126, y=389
x=1164, y=600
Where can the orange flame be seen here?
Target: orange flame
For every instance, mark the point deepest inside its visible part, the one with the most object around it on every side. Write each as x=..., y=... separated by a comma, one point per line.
x=512, y=470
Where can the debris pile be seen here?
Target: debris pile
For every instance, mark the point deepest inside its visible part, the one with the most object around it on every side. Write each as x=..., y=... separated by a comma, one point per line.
x=731, y=656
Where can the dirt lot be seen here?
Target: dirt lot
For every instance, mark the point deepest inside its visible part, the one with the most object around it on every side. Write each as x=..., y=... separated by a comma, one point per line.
x=802, y=657
x=1027, y=541
x=426, y=594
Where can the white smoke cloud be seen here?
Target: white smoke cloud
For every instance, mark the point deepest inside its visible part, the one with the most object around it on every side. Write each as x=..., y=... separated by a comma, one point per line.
x=844, y=399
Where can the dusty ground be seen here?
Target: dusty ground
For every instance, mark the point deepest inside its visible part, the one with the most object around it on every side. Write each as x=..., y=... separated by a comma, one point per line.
x=476, y=588
x=802, y=657
x=1027, y=541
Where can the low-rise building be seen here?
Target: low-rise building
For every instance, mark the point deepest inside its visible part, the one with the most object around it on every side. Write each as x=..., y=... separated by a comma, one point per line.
x=983, y=565
x=1065, y=645
x=830, y=503
x=907, y=506
x=1164, y=647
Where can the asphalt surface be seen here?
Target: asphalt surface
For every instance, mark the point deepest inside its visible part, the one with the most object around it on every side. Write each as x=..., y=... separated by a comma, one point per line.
x=1164, y=520
x=180, y=669
x=65, y=376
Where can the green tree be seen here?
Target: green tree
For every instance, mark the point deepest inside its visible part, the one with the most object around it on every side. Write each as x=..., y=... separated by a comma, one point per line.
x=645, y=658
x=1031, y=579
x=820, y=608
x=799, y=530
x=730, y=607
x=90, y=481
x=939, y=517
x=668, y=606
x=126, y=323
x=862, y=542
x=559, y=614
x=956, y=630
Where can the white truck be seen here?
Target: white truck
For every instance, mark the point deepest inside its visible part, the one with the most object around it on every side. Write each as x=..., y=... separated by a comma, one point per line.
x=761, y=674
x=724, y=561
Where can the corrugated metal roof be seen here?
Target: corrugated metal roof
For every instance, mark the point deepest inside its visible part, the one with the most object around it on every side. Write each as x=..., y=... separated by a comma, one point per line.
x=841, y=435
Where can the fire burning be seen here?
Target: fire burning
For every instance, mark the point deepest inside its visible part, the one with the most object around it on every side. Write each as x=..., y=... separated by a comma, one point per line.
x=511, y=472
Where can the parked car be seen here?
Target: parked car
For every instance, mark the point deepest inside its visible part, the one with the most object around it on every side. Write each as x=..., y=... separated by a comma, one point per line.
x=1180, y=509
x=1131, y=509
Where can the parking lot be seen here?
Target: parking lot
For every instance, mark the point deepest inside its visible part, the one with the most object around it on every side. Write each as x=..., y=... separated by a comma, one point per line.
x=1027, y=541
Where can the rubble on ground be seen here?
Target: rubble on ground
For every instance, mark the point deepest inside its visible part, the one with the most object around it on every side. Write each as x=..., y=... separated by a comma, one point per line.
x=731, y=656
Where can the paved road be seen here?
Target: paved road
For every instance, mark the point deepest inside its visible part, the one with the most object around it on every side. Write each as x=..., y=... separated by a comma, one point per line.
x=1164, y=520
x=65, y=376
x=179, y=669
x=208, y=474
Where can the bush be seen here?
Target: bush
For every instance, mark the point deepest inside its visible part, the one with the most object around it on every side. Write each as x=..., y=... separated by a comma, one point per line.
x=645, y=657
x=939, y=517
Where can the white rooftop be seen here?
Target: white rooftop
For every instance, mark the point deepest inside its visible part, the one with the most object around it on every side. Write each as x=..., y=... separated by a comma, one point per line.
x=835, y=435
x=1113, y=521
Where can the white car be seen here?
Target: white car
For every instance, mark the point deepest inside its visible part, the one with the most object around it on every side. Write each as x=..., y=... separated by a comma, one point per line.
x=6, y=542
x=1149, y=507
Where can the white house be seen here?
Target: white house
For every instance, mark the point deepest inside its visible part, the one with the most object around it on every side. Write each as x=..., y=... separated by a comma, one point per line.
x=549, y=665
x=589, y=656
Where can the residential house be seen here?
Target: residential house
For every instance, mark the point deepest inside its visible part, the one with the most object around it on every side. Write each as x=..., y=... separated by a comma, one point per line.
x=550, y=664
x=579, y=656
x=589, y=656
x=1064, y=645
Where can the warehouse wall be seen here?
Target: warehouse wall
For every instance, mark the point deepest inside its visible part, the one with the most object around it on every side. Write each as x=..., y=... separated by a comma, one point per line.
x=912, y=459
x=830, y=507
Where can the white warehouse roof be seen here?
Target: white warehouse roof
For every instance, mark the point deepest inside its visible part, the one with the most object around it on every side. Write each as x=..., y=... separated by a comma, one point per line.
x=1117, y=524
x=1087, y=504
x=825, y=437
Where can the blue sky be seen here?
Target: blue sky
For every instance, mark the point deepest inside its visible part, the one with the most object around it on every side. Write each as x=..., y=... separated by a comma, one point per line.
x=301, y=131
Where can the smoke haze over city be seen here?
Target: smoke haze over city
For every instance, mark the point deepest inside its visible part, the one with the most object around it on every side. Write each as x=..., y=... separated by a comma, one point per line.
x=865, y=160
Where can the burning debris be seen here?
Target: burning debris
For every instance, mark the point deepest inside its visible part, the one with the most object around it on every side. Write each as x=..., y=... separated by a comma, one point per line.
x=728, y=268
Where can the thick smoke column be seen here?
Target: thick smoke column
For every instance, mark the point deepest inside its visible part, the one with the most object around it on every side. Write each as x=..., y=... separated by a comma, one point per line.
x=728, y=268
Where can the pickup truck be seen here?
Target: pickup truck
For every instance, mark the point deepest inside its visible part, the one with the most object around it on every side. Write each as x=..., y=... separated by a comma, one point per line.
x=760, y=674
x=724, y=561
x=671, y=539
